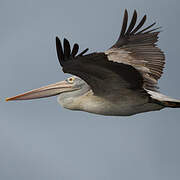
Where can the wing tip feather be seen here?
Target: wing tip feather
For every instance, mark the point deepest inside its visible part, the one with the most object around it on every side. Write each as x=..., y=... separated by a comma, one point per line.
x=64, y=53
x=133, y=28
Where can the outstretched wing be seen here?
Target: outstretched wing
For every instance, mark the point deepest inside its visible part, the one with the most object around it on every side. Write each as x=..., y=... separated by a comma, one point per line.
x=132, y=63
x=137, y=47
x=102, y=75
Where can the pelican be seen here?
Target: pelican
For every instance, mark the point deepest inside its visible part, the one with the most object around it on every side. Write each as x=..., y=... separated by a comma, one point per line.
x=121, y=81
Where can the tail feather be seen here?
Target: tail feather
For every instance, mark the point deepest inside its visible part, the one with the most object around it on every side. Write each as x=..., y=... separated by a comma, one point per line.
x=172, y=104
x=164, y=100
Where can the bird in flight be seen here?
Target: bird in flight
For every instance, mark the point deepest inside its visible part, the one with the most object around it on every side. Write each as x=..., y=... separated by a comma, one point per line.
x=121, y=81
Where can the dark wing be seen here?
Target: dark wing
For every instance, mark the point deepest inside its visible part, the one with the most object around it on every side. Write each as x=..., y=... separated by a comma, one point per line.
x=102, y=75
x=133, y=63
x=137, y=47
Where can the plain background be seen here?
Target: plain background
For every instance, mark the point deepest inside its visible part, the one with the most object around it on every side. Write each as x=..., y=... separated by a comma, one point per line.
x=39, y=140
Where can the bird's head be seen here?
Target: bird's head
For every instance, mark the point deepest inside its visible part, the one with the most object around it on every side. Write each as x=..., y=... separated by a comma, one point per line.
x=71, y=87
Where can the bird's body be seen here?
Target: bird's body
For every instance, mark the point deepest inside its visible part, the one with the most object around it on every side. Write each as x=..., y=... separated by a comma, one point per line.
x=121, y=81
x=110, y=105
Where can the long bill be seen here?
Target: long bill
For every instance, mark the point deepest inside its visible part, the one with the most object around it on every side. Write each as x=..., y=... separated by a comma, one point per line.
x=46, y=91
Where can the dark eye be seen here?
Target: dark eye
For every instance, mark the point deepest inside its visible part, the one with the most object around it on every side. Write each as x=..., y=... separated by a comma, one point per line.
x=70, y=80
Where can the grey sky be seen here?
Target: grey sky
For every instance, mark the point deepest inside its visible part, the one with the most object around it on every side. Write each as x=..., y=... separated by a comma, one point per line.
x=39, y=140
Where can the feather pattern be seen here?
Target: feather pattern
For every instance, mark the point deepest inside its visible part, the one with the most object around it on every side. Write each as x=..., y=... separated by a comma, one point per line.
x=95, y=69
x=132, y=63
x=141, y=51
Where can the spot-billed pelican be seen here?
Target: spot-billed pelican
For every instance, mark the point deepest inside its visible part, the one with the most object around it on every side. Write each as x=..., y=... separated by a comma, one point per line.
x=121, y=81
